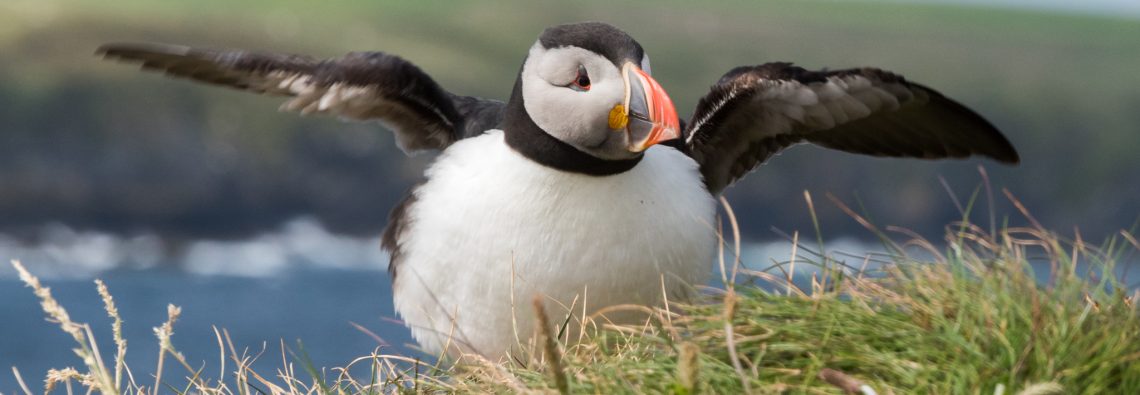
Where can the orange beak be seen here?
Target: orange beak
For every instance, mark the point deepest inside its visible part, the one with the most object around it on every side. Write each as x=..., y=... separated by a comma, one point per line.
x=649, y=115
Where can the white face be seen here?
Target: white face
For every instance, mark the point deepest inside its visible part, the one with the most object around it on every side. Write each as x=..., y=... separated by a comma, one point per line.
x=569, y=113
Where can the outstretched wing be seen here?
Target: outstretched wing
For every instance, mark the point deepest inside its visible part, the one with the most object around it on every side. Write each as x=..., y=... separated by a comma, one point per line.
x=358, y=86
x=754, y=112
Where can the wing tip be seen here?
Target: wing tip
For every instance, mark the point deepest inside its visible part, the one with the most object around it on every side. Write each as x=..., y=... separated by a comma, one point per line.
x=1007, y=155
x=995, y=145
x=1001, y=149
x=132, y=51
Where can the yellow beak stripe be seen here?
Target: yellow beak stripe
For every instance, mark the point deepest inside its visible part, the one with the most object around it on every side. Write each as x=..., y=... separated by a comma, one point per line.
x=618, y=118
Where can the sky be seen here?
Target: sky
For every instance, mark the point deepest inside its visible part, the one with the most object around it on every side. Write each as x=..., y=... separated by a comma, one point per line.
x=1128, y=8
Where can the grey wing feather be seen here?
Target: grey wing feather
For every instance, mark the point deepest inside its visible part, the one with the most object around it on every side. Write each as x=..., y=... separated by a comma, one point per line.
x=358, y=86
x=754, y=112
x=479, y=114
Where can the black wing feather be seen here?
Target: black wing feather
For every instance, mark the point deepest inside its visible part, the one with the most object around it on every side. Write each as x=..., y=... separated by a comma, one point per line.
x=358, y=86
x=754, y=112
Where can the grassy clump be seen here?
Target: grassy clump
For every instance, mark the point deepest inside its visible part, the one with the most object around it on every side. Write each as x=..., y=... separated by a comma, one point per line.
x=974, y=321
x=973, y=318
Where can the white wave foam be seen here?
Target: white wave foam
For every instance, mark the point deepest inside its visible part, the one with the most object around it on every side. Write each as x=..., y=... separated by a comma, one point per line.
x=66, y=253
x=302, y=243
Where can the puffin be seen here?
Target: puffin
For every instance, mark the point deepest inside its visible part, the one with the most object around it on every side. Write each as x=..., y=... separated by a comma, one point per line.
x=584, y=190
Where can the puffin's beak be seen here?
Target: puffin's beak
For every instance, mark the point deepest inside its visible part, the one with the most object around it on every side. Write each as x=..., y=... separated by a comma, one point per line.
x=646, y=114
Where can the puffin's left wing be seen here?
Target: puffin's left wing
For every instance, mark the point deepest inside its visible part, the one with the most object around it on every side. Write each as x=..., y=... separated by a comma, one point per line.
x=358, y=86
x=754, y=112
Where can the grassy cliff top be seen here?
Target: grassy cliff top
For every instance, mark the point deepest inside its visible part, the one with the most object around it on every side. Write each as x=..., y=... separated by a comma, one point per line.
x=970, y=317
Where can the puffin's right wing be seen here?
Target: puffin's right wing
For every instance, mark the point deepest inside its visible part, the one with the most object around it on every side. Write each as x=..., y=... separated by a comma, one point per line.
x=358, y=86
x=754, y=112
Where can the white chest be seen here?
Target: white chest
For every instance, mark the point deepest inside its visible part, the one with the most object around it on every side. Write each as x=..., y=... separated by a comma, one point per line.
x=491, y=229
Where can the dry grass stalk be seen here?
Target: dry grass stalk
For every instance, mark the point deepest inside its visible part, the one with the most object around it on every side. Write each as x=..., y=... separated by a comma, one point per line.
x=730, y=339
x=550, y=347
x=841, y=380
x=117, y=332
x=87, y=350
x=20, y=381
x=688, y=367
x=1043, y=389
x=164, y=332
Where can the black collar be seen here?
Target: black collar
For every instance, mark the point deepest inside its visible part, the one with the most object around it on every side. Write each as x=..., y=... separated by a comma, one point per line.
x=525, y=137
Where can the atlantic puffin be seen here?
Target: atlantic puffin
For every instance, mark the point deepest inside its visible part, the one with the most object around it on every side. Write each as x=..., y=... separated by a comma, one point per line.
x=584, y=187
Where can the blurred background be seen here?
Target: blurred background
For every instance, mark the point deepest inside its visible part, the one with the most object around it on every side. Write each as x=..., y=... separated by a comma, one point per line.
x=267, y=223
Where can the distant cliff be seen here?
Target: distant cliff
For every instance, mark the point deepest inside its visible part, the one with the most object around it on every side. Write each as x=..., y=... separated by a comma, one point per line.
x=99, y=146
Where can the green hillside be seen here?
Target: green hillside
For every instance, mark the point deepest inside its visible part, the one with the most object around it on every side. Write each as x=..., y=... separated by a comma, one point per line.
x=99, y=145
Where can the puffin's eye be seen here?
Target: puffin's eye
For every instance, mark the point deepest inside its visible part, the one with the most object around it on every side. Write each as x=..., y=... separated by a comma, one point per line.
x=581, y=81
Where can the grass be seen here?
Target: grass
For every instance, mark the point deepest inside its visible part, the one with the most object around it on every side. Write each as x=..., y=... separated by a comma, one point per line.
x=971, y=317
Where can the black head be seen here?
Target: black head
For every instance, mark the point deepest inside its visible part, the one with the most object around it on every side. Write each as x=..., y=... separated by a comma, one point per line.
x=597, y=37
x=584, y=94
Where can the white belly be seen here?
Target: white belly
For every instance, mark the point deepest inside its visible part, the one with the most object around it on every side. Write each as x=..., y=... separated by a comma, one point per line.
x=486, y=212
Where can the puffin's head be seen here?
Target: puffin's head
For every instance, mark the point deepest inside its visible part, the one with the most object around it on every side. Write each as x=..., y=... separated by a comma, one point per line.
x=588, y=85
